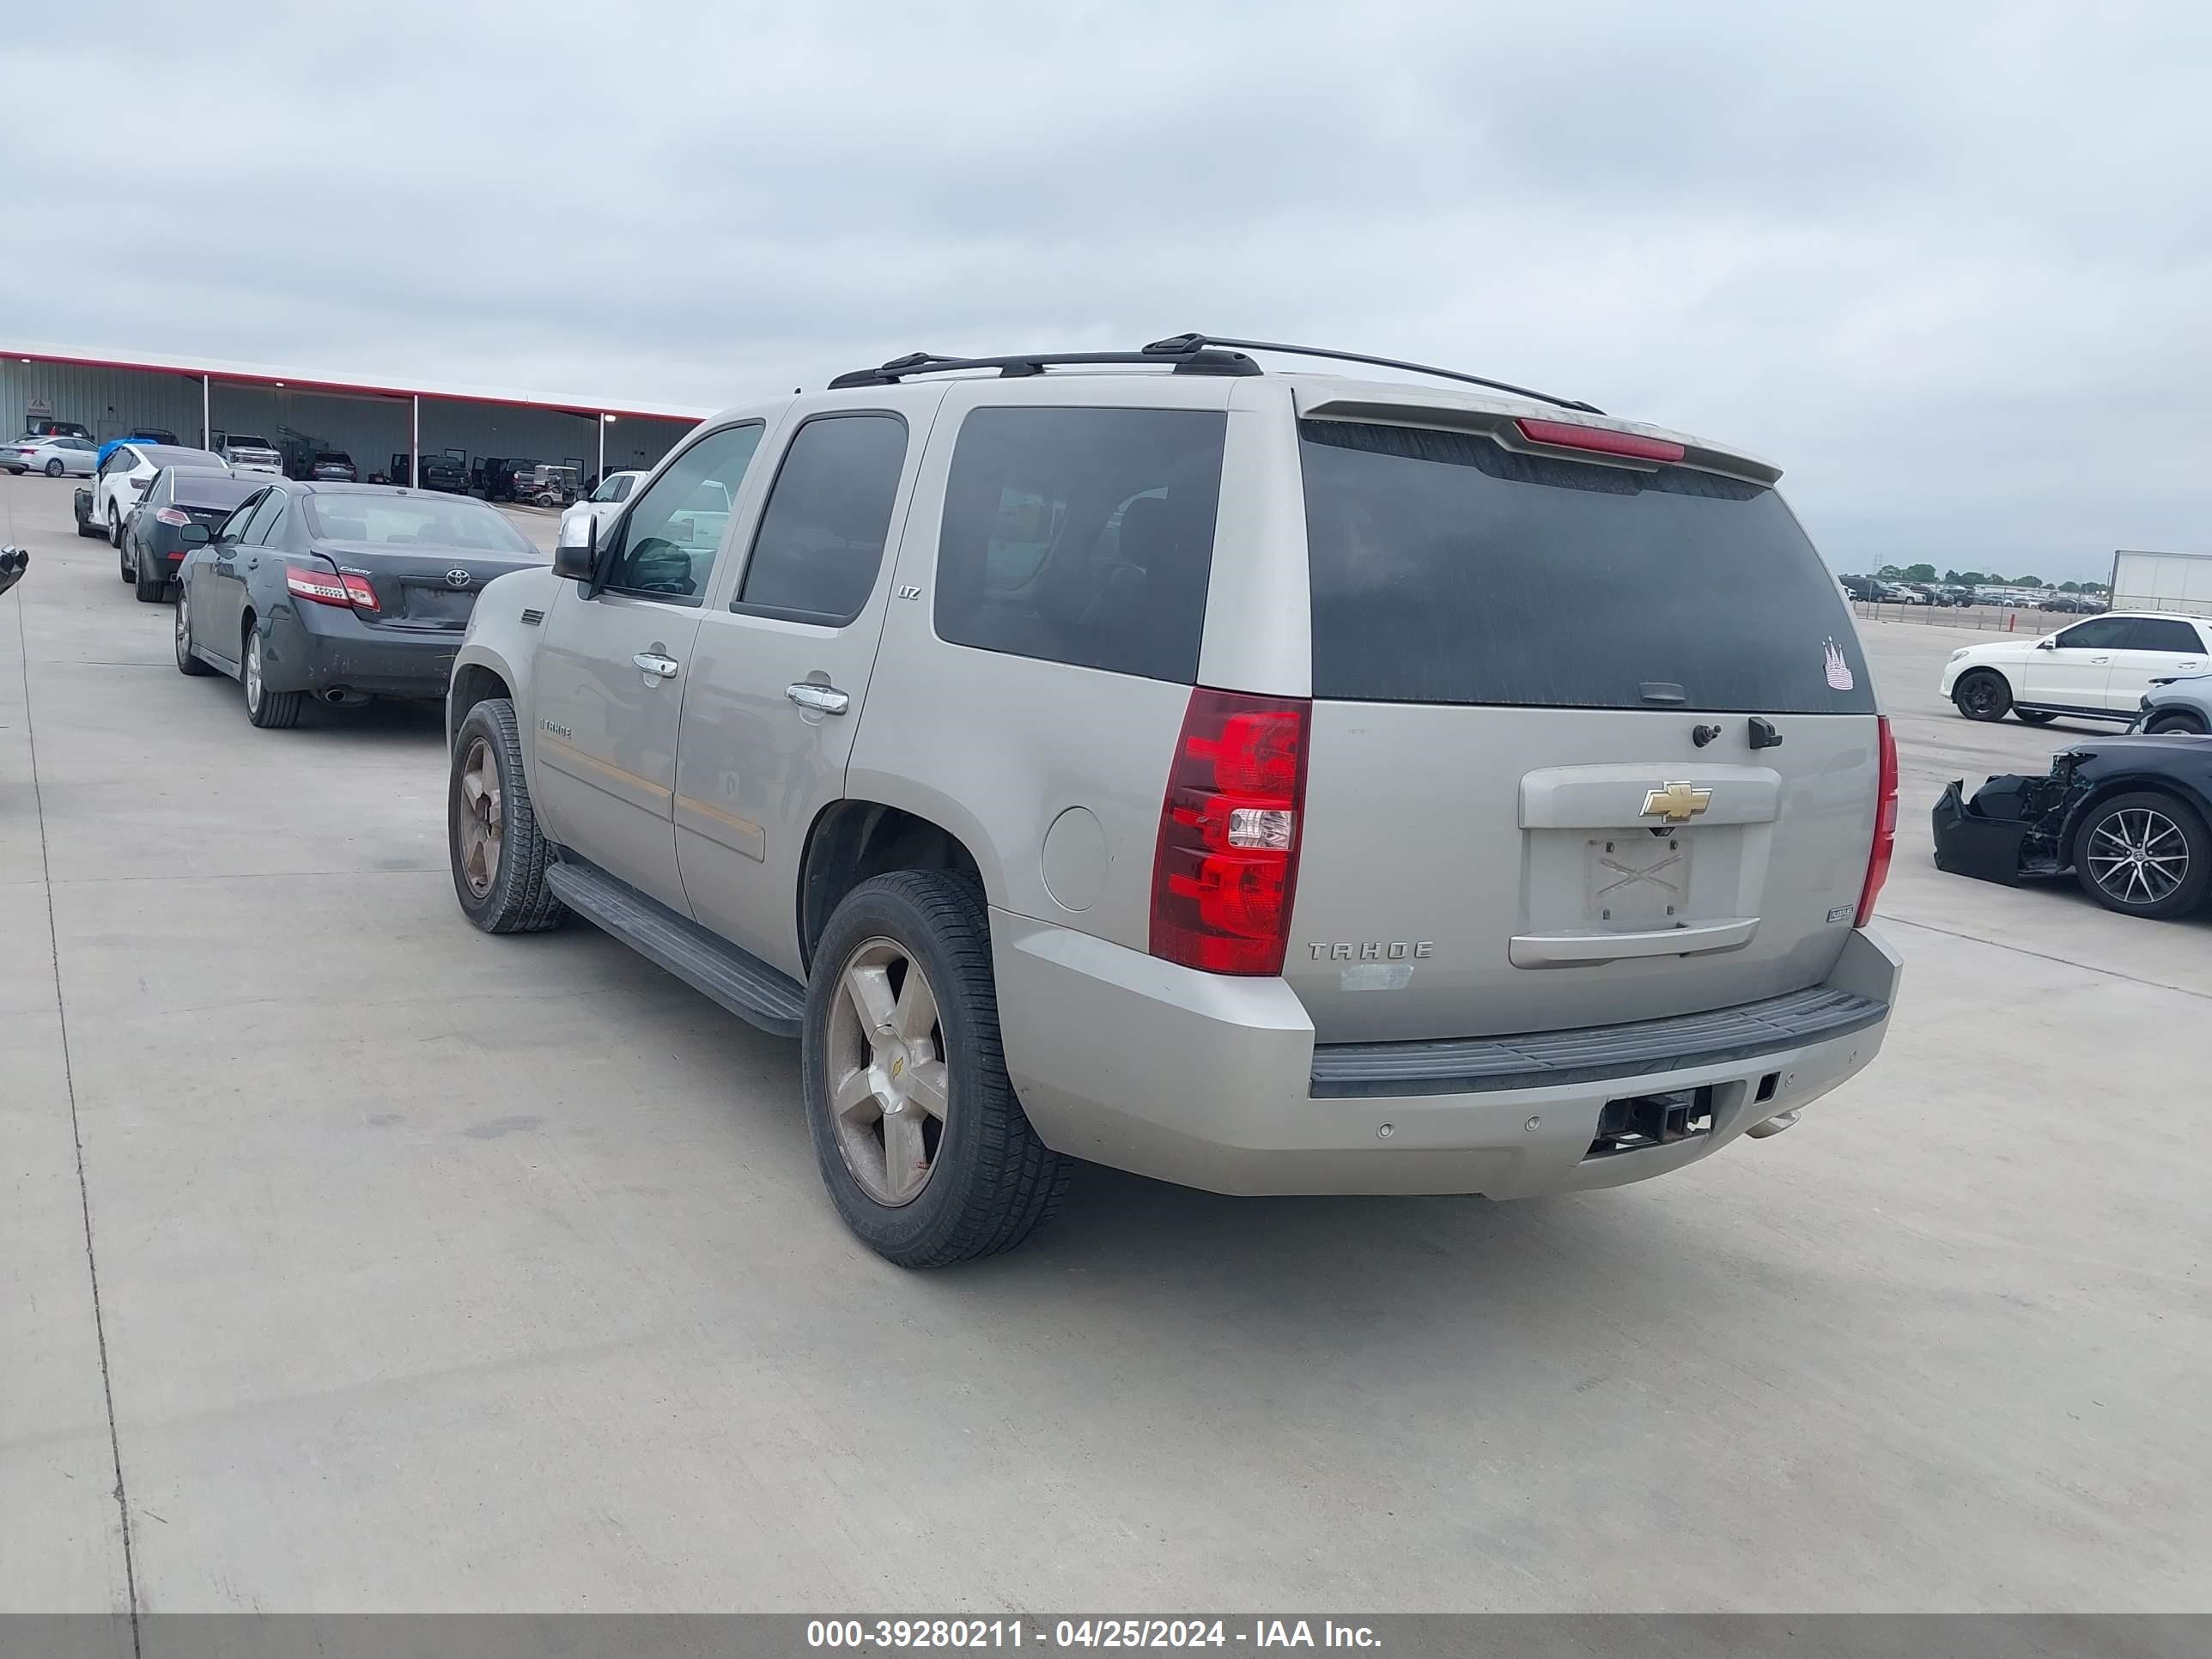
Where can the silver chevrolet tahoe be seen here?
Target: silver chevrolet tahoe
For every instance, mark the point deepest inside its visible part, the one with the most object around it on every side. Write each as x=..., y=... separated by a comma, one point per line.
x=1274, y=782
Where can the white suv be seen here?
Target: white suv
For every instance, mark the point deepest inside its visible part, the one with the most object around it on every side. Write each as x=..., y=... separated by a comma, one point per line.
x=1273, y=783
x=2095, y=669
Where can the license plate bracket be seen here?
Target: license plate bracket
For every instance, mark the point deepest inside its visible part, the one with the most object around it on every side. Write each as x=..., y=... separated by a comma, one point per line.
x=1633, y=878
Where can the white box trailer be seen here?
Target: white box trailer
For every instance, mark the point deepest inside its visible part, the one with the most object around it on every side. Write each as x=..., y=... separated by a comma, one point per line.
x=2162, y=581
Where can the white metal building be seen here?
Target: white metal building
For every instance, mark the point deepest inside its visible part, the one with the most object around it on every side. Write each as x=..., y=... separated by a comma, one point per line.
x=372, y=421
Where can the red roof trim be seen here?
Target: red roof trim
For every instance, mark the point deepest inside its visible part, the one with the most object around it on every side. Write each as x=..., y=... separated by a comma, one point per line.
x=353, y=388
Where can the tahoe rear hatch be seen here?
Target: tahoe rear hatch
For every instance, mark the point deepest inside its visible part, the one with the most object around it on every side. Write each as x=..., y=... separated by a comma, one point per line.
x=1593, y=739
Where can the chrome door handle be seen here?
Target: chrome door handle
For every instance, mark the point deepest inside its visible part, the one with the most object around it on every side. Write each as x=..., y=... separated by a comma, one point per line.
x=2099, y=661
x=822, y=699
x=652, y=663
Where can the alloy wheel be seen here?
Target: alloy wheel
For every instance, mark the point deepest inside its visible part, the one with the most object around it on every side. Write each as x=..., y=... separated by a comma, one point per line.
x=1982, y=694
x=484, y=824
x=253, y=671
x=2137, y=856
x=890, y=1088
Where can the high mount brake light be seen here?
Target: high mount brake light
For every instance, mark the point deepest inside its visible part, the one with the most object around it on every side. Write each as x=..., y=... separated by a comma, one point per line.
x=1598, y=439
x=330, y=587
x=1225, y=866
x=1884, y=827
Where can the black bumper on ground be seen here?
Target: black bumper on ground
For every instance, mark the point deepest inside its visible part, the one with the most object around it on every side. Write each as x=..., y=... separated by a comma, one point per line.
x=323, y=648
x=2014, y=829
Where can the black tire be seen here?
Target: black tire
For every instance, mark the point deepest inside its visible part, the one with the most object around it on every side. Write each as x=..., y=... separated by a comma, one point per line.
x=1982, y=694
x=272, y=711
x=186, y=663
x=2158, y=821
x=2175, y=722
x=516, y=900
x=992, y=1181
x=53, y=470
x=150, y=592
x=114, y=527
x=123, y=563
x=2033, y=716
x=86, y=527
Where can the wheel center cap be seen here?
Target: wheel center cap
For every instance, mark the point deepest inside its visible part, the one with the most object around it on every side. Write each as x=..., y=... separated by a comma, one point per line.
x=898, y=1065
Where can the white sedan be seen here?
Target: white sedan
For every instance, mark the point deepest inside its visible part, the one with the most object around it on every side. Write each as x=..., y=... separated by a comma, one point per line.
x=51, y=456
x=2096, y=669
x=602, y=503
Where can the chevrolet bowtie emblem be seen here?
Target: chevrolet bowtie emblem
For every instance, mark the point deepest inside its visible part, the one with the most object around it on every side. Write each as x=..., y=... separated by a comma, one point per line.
x=1677, y=803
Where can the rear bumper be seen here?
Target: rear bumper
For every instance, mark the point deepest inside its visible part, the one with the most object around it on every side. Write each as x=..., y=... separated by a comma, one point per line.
x=1209, y=1081
x=321, y=648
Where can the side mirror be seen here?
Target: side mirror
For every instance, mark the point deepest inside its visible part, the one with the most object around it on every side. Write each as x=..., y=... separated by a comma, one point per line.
x=195, y=535
x=576, y=553
x=2048, y=642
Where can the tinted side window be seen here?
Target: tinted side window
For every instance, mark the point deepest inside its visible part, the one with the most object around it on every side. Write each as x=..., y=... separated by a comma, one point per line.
x=673, y=532
x=1082, y=536
x=2179, y=637
x=821, y=536
x=2105, y=634
x=264, y=518
x=234, y=528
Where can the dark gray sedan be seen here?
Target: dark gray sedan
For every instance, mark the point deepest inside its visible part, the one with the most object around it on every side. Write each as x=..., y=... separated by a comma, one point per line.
x=339, y=591
x=152, y=536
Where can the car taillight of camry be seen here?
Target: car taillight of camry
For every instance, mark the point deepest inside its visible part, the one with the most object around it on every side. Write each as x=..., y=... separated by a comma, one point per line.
x=1884, y=826
x=1226, y=864
x=329, y=586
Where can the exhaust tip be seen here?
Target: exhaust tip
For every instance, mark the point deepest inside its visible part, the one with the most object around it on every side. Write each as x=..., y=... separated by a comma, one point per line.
x=1775, y=1125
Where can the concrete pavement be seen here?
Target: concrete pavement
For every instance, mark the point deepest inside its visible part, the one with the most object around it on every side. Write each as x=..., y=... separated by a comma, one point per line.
x=441, y=1272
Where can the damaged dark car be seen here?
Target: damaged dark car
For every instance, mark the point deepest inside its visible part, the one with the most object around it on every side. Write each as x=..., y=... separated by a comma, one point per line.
x=2125, y=816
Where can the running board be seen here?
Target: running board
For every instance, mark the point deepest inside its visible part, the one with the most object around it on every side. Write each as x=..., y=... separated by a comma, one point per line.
x=741, y=982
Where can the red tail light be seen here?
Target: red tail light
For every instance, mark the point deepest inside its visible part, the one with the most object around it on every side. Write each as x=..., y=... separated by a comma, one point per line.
x=1885, y=828
x=329, y=586
x=1598, y=439
x=175, y=515
x=1226, y=865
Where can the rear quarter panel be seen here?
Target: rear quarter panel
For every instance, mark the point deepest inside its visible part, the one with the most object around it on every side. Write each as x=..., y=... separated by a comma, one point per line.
x=1012, y=753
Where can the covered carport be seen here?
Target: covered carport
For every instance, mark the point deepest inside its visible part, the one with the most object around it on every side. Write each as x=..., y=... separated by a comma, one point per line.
x=374, y=422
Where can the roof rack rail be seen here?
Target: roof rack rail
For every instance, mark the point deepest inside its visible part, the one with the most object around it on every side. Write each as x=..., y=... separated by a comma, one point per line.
x=1185, y=345
x=1197, y=359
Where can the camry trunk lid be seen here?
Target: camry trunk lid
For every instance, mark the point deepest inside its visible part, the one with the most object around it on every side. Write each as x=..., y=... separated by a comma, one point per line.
x=1592, y=738
x=422, y=588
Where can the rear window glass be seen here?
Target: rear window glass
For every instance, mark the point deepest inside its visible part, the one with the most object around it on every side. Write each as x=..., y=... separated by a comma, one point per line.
x=1446, y=569
x=1082, y=536
x=211, y=488
x=376, y=520
x=163, y=455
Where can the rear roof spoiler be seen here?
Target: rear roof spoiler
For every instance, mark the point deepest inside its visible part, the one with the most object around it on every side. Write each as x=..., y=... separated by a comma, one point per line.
x=1455, y=417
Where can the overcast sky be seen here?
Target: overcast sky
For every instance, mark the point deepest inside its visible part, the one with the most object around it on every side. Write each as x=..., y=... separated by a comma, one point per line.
x=1950, y=267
